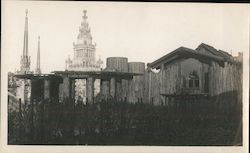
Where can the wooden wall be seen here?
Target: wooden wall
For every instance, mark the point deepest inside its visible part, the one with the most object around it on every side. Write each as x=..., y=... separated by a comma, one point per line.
x=152, y=87
x=187, y=66
x=120, y=86
x=169, y=80
x=225, y=79
x=136, y=85
x=119, y=64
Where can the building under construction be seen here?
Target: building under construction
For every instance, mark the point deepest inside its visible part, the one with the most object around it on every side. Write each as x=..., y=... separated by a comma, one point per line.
x=204, y=71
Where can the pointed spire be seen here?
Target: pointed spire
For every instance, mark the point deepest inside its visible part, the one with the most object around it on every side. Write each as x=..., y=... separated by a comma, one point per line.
x=25, y=59
x=26, y=12
x=84, y=30
x=38, y=69
x=25, y=42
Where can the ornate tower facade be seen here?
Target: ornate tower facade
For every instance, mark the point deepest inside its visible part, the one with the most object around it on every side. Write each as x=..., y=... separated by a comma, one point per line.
x=84, y=59
x=84, y=50
x=24, y=86
x=25, y=58
x=38, y=69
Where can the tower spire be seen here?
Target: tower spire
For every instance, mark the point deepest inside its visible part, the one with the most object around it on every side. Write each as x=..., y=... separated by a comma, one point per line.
x=25, y=42
x=25, y=59
x=38, y=69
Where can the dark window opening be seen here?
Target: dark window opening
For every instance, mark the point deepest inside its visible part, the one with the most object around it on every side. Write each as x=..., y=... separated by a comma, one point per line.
x=190, y=83
x=196, y=83
x=184, y=83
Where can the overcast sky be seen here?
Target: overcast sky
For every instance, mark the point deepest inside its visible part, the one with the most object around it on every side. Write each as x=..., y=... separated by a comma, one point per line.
x=140, y=31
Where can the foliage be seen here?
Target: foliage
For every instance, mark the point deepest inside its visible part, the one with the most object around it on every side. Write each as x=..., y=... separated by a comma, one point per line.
x=184, y=121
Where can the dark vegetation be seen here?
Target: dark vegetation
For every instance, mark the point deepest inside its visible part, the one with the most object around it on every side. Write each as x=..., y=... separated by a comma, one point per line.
x=184, y=121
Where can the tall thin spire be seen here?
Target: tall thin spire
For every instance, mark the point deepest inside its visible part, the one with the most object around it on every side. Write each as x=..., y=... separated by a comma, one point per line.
x=25, y=41
x=25, y=59
x=38, y=69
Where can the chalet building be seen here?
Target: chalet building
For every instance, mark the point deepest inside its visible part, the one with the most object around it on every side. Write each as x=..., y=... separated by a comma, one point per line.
x=204, y=71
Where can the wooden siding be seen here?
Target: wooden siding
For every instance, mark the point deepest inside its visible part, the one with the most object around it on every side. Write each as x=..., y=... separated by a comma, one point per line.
x=152, y=88
x=169, y=80
x=137, y=84
x=173, y=75
x=225, y=79
x=119, y=64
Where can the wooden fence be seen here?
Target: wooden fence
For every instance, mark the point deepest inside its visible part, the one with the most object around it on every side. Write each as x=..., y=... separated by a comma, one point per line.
x=182, y=121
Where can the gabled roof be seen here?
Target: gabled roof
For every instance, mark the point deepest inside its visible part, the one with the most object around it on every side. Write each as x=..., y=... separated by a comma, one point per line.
x=226, y=56
x=186, y=53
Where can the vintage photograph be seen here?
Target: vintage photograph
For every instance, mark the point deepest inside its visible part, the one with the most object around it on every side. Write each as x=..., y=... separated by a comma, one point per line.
x=124, y=74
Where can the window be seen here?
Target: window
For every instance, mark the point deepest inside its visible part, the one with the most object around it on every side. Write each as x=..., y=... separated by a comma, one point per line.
x=190, y=83
x=194, y=81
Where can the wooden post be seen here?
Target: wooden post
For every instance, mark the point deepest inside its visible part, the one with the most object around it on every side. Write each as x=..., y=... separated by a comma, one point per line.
x=149, y=85
x=46, y=89
x=32, y=121
x=72, y=90
x=66, y=88
x=105, y=88
x=124, y=88
x=119, y=88
x=112, y=87
x=20, y=121
x=90, y=89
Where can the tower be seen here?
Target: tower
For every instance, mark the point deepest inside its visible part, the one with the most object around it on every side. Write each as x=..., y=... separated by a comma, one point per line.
x=84, y=58
x=84, y=50
x=38, y=69
x=25, y=58
x=24, y=85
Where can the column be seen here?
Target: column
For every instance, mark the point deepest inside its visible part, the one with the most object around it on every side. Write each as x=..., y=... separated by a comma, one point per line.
x=46, y=89
x=112, y=87
x=125, y=89
x=119, y=90
x=90, y=89
x=105, y=87
x=66, y=87
x=72, y=89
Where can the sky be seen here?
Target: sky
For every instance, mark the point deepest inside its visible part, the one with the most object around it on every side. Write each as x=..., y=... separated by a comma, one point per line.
x=139, y=31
